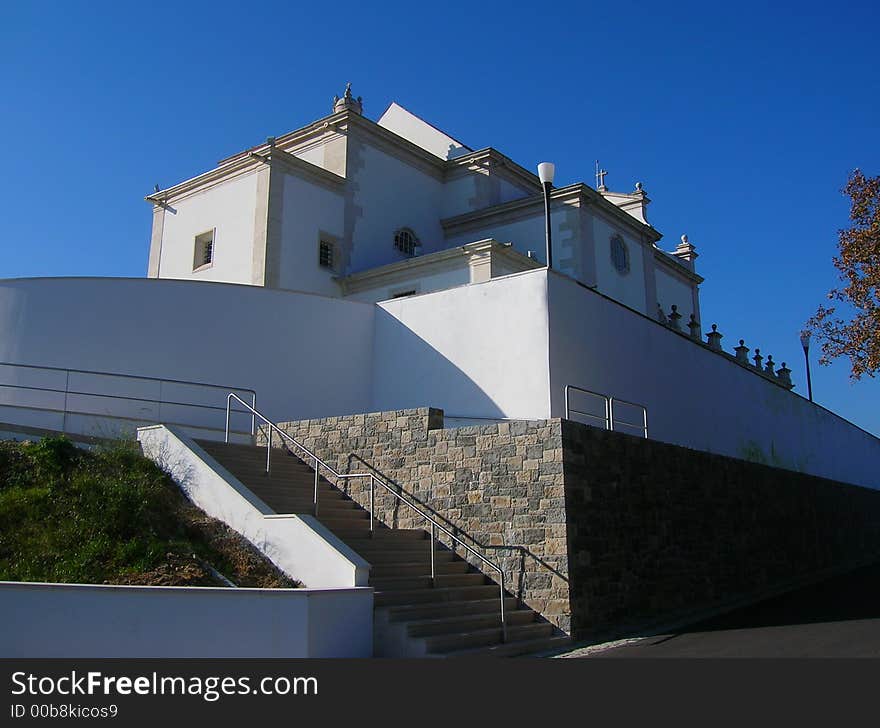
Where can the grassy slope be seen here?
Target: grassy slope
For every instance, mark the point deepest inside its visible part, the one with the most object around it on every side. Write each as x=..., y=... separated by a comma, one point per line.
x=110, y=516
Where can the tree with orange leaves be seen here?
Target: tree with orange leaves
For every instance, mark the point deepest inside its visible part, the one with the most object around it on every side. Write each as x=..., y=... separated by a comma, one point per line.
x=857, y=335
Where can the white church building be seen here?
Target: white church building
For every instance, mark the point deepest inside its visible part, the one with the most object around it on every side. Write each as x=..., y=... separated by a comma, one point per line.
x=355, y=266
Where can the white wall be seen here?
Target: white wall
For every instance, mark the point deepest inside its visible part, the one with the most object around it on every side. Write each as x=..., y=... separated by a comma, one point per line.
x=629, y=288
x=525, y=234
x=389, y=194
x=308, y=210
x=421, y=283
x=310, y=353
x=475, y=350
x=87, y=620
x=673, y=290
x=230, y=208
x=695, y=397
x=300, y=545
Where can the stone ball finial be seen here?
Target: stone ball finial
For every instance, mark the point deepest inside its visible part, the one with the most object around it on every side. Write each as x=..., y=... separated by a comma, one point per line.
x=742, y=342
x=714, y=327
x=684, y=239
x=639, y=187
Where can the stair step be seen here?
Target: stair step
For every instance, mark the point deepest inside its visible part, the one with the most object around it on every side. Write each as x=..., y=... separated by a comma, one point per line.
x=514, y=648
x=419, y=612
x=440, y=581
x=468, y=622
x=379, y=553
x=486, y=637
x=417, y=568
x=445, y=594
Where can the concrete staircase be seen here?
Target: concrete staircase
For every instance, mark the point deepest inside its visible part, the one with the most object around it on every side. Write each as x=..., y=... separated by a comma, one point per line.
x=455, y=614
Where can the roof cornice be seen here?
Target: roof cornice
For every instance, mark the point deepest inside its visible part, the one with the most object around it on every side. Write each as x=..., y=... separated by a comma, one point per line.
x=245, y=165
x=434, y=262
x=676, y=266
x=503, y=165
x=292, y=164
x=215, y=176
x=578, y=193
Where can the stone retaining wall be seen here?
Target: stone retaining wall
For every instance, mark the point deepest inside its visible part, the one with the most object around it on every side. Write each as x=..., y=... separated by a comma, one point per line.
x=499, y=484
x=598, y=530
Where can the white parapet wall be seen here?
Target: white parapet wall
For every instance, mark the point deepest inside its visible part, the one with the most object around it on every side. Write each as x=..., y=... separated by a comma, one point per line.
x=299, y=545
x=696, y=397
x=87, y=620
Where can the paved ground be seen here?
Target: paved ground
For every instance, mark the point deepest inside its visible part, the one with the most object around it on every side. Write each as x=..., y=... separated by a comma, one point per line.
x=836, y=618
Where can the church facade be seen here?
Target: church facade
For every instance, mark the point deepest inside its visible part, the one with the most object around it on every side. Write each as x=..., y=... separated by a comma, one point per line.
x=350, y=207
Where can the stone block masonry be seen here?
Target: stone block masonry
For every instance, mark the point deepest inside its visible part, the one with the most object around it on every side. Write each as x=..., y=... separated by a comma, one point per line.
x=598, y=530
x=499, y=487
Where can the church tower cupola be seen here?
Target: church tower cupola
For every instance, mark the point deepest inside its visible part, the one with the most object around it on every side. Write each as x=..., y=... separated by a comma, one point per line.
x=348, y=102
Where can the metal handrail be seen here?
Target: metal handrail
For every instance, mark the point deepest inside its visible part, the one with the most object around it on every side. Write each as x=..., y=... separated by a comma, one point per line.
x=374, y=478
x=609, y=409
x=67, y=392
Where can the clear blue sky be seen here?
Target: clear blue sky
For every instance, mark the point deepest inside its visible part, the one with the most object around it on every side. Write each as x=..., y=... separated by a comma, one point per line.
x=742, y=120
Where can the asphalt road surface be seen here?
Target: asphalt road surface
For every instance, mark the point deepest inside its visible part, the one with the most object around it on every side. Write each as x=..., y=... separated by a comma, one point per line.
x=839, y=617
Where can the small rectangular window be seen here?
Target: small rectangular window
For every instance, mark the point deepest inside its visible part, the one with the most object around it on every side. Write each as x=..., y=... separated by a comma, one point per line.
x=326, y=252
x=203, y=253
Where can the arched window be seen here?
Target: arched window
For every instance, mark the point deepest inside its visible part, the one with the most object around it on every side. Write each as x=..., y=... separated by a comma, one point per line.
x=619, y=255
x=405, y=241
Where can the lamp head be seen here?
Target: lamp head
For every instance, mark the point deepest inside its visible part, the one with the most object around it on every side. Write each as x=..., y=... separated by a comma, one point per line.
x=805, y=339
x=546, y=170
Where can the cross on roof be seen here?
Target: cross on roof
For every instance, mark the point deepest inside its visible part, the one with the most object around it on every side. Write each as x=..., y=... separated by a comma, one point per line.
x=600, y=177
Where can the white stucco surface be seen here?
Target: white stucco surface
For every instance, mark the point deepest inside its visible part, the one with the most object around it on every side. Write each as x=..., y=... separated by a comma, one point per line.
x=228, y=207
x=389, y=194
x=89, y=620
x=475, y=350
x=629, y=287
x=406, y=124
x=671, y=289
x=309, y=210
x=299, y=545
x=456, y=276
x=285, y=344
x=525, y=234
x=695, y=397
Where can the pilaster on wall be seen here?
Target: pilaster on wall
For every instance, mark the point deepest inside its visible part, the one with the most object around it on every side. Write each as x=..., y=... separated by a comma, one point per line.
x=156, y=241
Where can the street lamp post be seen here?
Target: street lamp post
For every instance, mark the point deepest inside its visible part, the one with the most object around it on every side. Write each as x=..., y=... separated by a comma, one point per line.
x=805, y=342
x=546, y=170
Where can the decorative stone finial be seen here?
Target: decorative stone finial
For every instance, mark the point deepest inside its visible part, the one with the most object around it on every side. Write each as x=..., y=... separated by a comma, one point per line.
x=661, y=317
x=770, y=367
x=639, y=189
x=674, y=318
x=686, y=252
x=694, y=326
x=714, y=338
x=784, y=376
x=348, y=102
x=757, y=358
x=742, y=352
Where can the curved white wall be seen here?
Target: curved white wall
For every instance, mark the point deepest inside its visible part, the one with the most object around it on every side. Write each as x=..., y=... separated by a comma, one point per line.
x=310, y=353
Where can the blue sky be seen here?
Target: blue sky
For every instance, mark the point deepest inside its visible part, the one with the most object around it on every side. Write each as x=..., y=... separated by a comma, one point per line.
x=742, y=121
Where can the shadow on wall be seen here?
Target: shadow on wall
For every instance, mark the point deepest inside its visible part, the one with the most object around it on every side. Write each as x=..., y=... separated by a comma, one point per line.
x=408, y=372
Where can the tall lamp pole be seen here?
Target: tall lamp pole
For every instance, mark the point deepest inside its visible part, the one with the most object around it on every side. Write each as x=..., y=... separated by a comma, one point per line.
x=546, y=170
x=805, y=342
